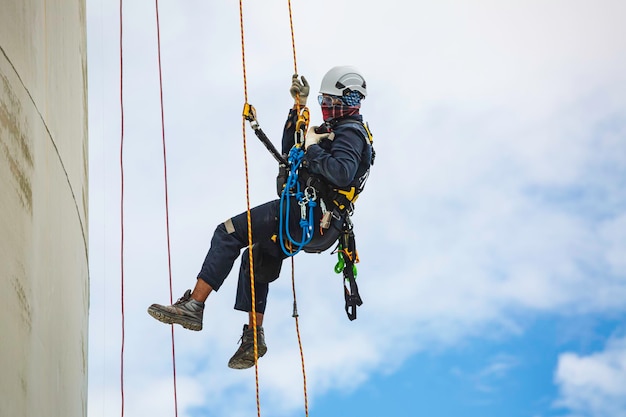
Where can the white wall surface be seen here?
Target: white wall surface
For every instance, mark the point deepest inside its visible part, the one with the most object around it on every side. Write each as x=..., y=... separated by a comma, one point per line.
x=44, y=278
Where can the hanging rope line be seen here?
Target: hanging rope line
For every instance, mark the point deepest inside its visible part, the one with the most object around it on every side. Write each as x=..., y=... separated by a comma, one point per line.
x=249, y=218
x=121, y=20
x=293, y=279
x=122, y=206
x=295, y=316
x=293, y=39
x=167, y=212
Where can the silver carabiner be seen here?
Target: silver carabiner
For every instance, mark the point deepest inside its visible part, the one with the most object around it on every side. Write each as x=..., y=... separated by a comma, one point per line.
x=302, y=203
x=310, y=193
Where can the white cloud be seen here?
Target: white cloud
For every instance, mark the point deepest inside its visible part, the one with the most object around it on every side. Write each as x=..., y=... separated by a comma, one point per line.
x=488, y=378
x=496, y=190
x=594, y=385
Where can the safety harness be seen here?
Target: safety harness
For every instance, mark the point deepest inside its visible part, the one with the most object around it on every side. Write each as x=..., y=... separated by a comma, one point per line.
x=308, y=189
x=344, y=199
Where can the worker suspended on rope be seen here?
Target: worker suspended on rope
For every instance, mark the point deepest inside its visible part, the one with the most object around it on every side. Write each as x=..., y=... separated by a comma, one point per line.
x=317, y=187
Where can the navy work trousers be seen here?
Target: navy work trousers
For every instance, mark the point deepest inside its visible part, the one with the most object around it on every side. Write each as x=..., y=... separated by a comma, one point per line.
x=232, y=236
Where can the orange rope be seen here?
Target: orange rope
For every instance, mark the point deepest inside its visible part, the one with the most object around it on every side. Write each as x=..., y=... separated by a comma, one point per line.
x=251, y=262
x=293, y=279
x=293, y=39
x=295, y=315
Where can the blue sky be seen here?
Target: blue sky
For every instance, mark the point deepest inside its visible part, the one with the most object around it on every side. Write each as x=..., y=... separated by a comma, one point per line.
x=492, y=233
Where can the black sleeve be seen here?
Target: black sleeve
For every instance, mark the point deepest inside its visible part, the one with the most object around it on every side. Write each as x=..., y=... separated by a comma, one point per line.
x=339, y=164
x=289, y=132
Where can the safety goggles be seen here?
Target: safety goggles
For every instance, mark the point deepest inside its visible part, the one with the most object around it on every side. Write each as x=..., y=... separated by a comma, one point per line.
x=329, y=101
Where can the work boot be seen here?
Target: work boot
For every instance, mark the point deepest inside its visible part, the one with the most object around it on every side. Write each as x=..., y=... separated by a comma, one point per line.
x=186, y=311
x=244, y=357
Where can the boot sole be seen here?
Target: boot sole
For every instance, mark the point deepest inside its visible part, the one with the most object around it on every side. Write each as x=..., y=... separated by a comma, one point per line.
x=168, y=318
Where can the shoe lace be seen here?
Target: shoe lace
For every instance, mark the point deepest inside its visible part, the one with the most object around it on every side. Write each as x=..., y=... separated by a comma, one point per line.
x=184, y=298
x=247, y=333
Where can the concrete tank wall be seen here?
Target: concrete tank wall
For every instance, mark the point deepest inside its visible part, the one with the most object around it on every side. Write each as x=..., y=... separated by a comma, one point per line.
x=44, y=278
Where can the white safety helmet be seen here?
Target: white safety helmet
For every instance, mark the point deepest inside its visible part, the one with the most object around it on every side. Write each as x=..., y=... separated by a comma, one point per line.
x=343, y=79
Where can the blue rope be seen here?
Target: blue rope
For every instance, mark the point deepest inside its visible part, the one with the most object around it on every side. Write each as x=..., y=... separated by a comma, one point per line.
x=292, y=189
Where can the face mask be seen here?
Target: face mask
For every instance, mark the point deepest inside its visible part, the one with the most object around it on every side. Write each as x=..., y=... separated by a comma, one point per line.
x=335, y=107
x=335, y=112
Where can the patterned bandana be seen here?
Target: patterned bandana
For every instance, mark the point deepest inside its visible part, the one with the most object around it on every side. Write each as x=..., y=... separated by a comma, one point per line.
x=353, y=98
x=336, y=112
x=351, y=105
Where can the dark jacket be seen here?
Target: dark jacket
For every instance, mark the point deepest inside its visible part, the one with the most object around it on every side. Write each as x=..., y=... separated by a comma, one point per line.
x=342, y=162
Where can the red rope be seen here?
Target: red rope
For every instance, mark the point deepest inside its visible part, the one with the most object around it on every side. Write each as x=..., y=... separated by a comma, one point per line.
x=122, y=205
x=122, y=202
x=167, y=213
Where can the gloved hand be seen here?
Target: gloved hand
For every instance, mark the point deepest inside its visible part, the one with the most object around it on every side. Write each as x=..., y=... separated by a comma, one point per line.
x=299, y=89
x=312, y=138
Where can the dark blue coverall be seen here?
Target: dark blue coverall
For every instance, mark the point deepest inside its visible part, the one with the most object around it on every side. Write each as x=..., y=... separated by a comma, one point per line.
x=339, y=162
